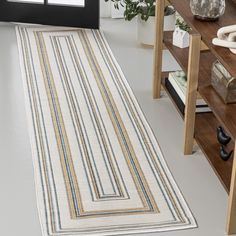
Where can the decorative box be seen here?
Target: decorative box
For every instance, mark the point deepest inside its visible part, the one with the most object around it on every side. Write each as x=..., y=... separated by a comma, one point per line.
x=223, y=83
x=180, y=38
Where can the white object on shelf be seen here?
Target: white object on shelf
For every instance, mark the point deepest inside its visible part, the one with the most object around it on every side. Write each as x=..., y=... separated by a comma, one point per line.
x=146, y=29
x=226, y=37
x=179, y=83
x=180, y=38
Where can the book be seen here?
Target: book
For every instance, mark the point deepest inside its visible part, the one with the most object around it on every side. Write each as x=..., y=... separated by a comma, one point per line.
x=176, y=85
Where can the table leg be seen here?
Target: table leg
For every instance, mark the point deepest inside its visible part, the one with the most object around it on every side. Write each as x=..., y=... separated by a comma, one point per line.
x=231, y=219
x=191, y=96
x=158, y=47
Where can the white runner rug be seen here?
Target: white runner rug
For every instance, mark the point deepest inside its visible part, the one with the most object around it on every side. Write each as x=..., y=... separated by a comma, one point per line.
x=98, y=167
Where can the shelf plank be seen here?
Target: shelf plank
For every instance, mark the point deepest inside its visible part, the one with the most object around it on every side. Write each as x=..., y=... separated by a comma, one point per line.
x=205, y=135
x=181, y=55
x=208, y=30
x=226, y=114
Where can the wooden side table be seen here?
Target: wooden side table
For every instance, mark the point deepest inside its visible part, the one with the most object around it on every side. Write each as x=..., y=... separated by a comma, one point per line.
x=196, y=61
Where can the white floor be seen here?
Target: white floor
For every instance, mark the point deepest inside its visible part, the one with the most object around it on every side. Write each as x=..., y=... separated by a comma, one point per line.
x=18, y=211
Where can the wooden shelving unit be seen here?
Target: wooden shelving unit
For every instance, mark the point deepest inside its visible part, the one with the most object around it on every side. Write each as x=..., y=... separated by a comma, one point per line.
x=211, y=150
x=197, y=61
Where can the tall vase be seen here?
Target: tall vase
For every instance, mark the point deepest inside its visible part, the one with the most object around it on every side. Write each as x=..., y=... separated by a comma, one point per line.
x=207, y=10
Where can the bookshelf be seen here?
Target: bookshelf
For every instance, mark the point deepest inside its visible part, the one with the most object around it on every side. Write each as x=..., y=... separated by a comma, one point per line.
x=196, y=62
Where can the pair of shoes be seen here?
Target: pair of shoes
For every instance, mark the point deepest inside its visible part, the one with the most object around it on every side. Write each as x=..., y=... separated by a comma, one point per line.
x=223, y=139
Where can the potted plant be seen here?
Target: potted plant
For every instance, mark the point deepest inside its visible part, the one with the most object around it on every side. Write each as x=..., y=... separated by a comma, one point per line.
x=181, y=34
x=145, y=11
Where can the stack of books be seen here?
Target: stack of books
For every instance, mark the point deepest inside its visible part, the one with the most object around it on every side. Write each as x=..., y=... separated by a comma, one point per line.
x=176, y=84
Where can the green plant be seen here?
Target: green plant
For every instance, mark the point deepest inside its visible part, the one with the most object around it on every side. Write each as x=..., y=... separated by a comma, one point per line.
x=182, y=25
x=144, y=8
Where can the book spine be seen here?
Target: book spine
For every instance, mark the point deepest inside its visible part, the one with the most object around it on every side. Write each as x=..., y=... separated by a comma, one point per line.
x=179, y=103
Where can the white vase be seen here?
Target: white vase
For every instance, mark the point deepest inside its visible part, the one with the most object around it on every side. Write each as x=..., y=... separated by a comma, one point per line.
x=146, y=29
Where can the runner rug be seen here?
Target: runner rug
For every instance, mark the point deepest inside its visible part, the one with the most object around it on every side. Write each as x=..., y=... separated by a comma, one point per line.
x=98, y=167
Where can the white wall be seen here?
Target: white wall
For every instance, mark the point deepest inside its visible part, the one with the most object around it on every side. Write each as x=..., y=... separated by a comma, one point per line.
x=115, y=13
x=105, y=9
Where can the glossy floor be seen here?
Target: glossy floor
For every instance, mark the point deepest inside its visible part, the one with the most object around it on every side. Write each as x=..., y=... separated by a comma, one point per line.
x=196, y=179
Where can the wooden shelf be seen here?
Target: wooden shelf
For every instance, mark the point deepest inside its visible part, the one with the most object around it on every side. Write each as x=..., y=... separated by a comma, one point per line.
x=206, y=124
x=226, y=114
x=181, y=55
x=208, y=30
x=205, y=135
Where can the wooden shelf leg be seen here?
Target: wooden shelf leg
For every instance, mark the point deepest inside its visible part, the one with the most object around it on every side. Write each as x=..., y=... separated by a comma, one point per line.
x=190, y=107
x=231, y=218
x=158, y=47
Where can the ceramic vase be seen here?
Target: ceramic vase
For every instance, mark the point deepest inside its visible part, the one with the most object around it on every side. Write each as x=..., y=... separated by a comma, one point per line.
x=207, y=10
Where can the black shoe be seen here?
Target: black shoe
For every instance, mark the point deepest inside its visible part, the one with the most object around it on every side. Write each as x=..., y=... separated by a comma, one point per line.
x=222, y=137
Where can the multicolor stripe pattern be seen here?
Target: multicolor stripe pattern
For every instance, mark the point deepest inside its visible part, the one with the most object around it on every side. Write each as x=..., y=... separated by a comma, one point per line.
x=98, y=167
